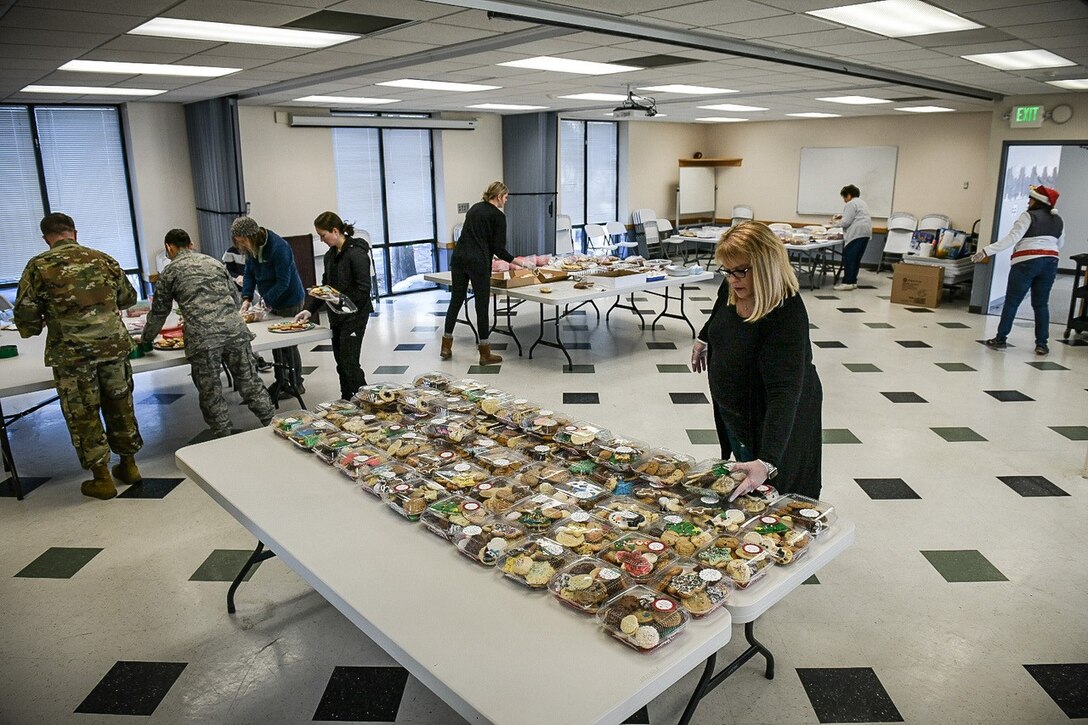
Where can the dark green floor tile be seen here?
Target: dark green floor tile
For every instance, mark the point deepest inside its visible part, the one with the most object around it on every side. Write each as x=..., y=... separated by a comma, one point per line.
x=839, y=435
x=222, y=565
x=880, y=325
x=579, y=369
x=1046, y=365
x=955, y=367
x=58, y=562
x=661, y=345
x=391, y=370
x=673, y=369
x=307, y=369
x=206, y=435
x=484, y=369
x=27, y=483
x=954, y=325
x=1072, y=432
x=862, y=368
x=811, y=580
x=703, y=437
x=958, y=435
x=964, y=565
x=151, y=488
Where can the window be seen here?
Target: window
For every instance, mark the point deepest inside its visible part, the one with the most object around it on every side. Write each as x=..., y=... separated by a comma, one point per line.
x=69, y=159
x=589, y=171
x=385, y=186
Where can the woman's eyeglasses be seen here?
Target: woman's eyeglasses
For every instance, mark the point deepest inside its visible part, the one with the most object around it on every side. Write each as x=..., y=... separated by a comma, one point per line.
x=738, y=273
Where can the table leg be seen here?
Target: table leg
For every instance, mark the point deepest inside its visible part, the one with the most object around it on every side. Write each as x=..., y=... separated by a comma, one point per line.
x=258, y=555
x=509, y=331
x=558, y=343
x=9, y=460
x=665, y=312
x=633, y=307
x=708, y=681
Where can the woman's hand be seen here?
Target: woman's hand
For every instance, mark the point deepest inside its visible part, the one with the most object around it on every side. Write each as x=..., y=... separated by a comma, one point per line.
x=303, y=316
x=525, y=263
x=755, y=475
x=979, y=256
x=245, y=305
x=698, y=356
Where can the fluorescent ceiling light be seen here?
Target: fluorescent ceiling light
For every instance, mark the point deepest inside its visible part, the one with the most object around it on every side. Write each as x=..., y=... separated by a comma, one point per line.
x=926, y=109
x=236, y=33
x=1075, y=84
x=346, y=100
x=595, y=97
x=691, y=90
x=853, y=100
x=91, y=90
x=505, y=107
x=732, y=107
x=438, y=85
x=896, y=18
x=721, y=119
x=1020, y=60
x=570, y=65
x=814, y=114
x=151, y=69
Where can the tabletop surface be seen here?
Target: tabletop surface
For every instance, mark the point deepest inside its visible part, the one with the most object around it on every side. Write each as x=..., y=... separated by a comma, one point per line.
x=563, y=292
x=490, y=648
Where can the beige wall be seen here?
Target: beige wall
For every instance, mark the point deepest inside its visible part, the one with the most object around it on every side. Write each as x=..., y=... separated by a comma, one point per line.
x=470, y=160
x=938, y=154
x=162, y=179
x=653, y=150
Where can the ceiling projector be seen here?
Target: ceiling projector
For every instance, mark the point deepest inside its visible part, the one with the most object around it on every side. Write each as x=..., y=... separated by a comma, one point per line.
x=634, y=106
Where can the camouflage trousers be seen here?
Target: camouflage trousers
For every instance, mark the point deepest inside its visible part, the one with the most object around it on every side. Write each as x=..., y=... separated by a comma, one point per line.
x=90, y=392
x=207, y=365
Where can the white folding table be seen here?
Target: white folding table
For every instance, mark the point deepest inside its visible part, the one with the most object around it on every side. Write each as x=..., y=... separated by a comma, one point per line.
x=814, y=256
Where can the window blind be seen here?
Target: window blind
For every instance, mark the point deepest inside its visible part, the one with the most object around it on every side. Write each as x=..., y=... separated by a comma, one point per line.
x=601, y=171
x=572, y=159
x=22, y=209
x=358, y=180
x=408, y=179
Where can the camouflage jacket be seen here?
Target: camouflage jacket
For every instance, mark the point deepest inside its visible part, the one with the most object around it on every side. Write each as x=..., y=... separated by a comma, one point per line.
x=78, y=293
x=208, y=300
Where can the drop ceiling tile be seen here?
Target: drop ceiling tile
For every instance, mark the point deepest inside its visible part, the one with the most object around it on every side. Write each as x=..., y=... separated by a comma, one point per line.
x=388, y=48
x=967, y=7
x=800, y=6
x=436, y=34
x=1051, y=31
x=819, y=39
x=1025, y=14
x=147, y=8
x=66, y=20
x=613, y=7
x=999, y=47
x=407, y=9
x=770, y=27
x=76, y=43
x=58, y=54
x=702, y=13
x=478, y=19
x=237, y=11
x=851, y=50
x=594, y=39
x=670, y=24
x=135, y=56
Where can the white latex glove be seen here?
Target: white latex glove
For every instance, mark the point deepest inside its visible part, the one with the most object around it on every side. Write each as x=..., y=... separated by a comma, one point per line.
x=978, y=256
x=525, y=264
x=698, y=356
x=239, y=280
x=245, y=305
x=303, y=316
x=756, y=476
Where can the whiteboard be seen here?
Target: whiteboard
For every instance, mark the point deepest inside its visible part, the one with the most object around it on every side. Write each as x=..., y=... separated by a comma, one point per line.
x=697, y=195
x=825, y=170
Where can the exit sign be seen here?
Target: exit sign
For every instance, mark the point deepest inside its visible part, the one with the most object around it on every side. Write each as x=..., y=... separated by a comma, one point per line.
x=1026, y=117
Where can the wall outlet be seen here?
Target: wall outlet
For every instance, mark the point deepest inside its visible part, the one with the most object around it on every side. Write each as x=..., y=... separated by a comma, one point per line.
x=462, y=208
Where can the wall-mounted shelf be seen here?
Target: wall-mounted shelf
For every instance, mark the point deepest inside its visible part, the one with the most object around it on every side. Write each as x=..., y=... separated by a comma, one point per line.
x=687, y=163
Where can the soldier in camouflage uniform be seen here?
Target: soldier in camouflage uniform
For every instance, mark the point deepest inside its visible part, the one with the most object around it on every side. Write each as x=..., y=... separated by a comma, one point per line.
x=215, y=334
x=78, y=294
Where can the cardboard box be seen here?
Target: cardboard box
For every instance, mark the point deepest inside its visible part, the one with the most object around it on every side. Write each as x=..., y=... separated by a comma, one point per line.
x=919, y=285
x=550, y=275
x=618, y=278
x=513, y=278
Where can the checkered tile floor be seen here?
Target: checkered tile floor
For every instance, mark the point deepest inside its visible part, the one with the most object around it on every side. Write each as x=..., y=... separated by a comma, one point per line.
x=963, y=600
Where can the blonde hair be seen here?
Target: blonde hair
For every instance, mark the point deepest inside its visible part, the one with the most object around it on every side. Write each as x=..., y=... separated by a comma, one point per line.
x=494, y=190
x=772, y=275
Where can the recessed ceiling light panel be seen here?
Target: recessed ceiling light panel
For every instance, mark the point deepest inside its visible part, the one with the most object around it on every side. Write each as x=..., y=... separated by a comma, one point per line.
x=595, y=97
x=569, y=65
x=346, y=100
x=1020, y=60
x=151, y=69
x=1072, y=84
x=854, y=100
x=926, y=109
x=438, y=85
x=92, y=90
x=897, y=18
x=721, y=119
x=690, y=90
x=814, y=114
x=732, y=107
x=236, y=33
x=505, y=107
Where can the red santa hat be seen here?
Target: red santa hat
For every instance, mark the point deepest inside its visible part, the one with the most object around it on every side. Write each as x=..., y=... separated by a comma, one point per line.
x=1044, y=194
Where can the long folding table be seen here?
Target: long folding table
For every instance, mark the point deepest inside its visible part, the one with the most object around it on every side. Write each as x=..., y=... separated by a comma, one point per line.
x=493, y=650
x=813, y=257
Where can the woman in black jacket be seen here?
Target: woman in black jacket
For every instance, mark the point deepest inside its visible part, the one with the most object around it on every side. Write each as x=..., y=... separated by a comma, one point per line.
x=756, y=350
x=347, y=269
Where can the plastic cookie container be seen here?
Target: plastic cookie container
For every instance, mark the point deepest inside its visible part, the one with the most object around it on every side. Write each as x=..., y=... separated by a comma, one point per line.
x=538, y=513
x=535, y=561
x=446, y=516
x=587, y=583
x=411, y=499
x=700, y=589
x=642, y=618
x=486, y=542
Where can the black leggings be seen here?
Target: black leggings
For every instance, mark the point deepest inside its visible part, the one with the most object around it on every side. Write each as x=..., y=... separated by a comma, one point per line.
x=481, y=288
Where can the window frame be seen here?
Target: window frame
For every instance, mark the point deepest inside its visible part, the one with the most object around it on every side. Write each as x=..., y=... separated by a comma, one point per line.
x=579, y=229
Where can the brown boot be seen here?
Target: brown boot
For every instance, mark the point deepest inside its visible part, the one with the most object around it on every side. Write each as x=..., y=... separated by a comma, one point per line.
x=486, y=358
x=101, y=486
x=447, y=347
x=126, y=471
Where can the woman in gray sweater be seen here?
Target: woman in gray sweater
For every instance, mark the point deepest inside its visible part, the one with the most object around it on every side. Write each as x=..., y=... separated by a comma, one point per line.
x=857, y=228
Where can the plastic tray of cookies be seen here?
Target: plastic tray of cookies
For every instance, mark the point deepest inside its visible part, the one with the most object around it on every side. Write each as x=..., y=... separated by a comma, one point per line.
x=515, y=411
x=501, y=461
x=376, y=480
x=307, y=436
x=580, y=436
x=382, y=433
x=362, y=424
x=464, y=386
x=534, y=474
x=491, y=401
x=417, y=400
x=543, y=451
x=476, y=444
x=487, y=541
x=411, y=498
x=712, y=477
x=336, y=411
x=329, y=447
x=700, y=589
x=685, y=537
x=619, y=454
x=626, y=513
x=435, y=379
x=578, y=491
x=454, y=427
x=446, y=516
x=461, y=476
x=587, y=583
x=356, y=462
x=283, y=423
x=743, y=563
x=642, y=618
x=533, y=562
x=639, y=556
x=406, y=445
x=663, y=468
x=488, y=426
x=431, y=459
x=585, y=535
x=545, y=423
x=500, y=494
x=751, y=504
x=612, y=481
x=538, y=513
x=478, y=394
x=667, y=502
x=449, y=404
x=712, y=511
x=765, y=492
x=809, y=513
x=786, y=541
x=378, y=396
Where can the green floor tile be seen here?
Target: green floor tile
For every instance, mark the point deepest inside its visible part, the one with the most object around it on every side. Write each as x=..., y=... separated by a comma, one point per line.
x=966, y=565
x=811, y=580
x=957, y=435
x=673, y=369
x=579, y=369
x=1046, y=365
x=956, y=367
x=1072, y=432
x=862, y=368
x=703, y=437
x=222, y=565
x=484, y=369
x=58, y=562
x=880, y=325
x=839, y=435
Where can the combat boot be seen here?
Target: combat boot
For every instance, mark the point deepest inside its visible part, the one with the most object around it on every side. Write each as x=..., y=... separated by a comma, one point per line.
x=126, y=471
x=486, y=357
x=447, y=347
x=102, y=485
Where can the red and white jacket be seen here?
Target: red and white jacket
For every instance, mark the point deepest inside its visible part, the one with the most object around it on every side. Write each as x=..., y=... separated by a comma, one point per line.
x=1037, y=233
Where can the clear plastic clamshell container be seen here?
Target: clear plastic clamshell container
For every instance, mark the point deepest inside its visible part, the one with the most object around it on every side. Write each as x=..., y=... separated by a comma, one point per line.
x=663, y=468
x=411, y=498
x=380, y=478
x=700, y=589
x=476, y=444
x=544, y=451
x=639, y=556
x=545, y=423
x=329, y=447
x=435, y=379
x=808, y=513
x=461, y=476
x=619, y=454
x=500, y=494
x=453, y=427
x=685, y=537
x=307, y=436
x=464, y=386
x=283, y=423
x=712, y=477
x=510, y=436
x=418, y=400
x=358, y=463
x=377, y=396
x=447, y=516
x=501, y=461
x=585, y=535
x=382, y=433
x=447, y=404
x=363, y=424
x=406, y=445
x=587, y=583
x=642, y=618
x=764, y=492
x=627, y=514
x=491, y=401
x=535, y=474
x=715, y=512
x=486, y=542
x=538, y=513
x=336, y=411
x=786, y=541
x=515, y=411
x=583, y=494
x=488, y=426
x=430, y=460
x=478, y=394
x=535, y=561
x=744, y=563
x=668, y=502
x=580, y=436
